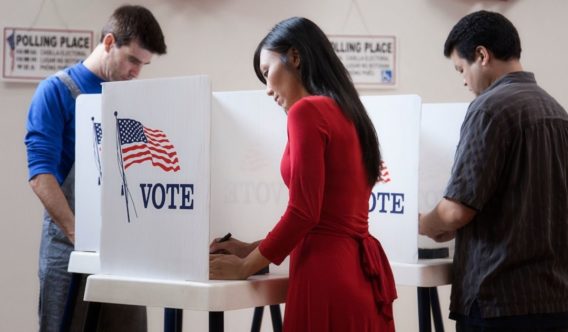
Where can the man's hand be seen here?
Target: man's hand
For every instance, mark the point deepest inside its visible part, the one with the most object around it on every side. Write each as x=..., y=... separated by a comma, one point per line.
x=444, y=220
x=47, y=189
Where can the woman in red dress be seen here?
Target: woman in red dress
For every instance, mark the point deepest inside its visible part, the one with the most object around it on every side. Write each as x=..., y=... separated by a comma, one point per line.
x=340, y=279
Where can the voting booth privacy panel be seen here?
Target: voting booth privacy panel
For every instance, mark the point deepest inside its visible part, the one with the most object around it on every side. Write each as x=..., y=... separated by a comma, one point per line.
x=156, y=168
x=439, y=137
x=88, y=172
x=393, y=205
x=248, y=136
x=180, y=165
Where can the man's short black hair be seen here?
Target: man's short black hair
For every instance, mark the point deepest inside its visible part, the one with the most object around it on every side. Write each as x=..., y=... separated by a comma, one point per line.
x=129, y=23
x=483, y=28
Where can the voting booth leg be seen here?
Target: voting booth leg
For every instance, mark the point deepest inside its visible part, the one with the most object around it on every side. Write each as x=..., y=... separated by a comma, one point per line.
x=276, y=318
x=216, y=321
x=92, y=317
x=173, y=319
x=429, y=306
x=257, y=319
x=274, y=314
x=436, y=313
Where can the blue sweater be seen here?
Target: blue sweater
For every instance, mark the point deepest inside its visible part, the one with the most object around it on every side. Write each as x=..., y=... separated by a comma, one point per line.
x=50, y=138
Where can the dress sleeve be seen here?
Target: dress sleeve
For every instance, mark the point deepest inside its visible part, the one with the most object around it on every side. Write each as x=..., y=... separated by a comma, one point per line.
x=307, y=137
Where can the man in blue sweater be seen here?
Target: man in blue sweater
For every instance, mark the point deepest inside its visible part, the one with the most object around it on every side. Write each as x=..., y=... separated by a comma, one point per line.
x=129, y=40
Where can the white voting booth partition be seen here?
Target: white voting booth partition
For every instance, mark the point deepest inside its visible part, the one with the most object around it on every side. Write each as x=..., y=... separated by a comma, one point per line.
x=248, y=136
x=88, y=173
x=156, y=168
x=439, y=136
x=248, y=195
x=215, y=168
x=393, y=205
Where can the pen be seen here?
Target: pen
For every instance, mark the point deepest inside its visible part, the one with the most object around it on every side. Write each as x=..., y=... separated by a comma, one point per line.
x=225, y=238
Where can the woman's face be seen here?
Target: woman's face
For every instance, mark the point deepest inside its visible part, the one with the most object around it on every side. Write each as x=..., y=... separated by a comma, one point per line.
x=283, y=81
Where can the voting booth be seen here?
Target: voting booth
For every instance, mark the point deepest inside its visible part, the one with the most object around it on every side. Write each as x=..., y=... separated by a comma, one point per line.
x=439, y=136
x=393, y=205
x=156, y=170
x=248, y=137
x=88, y=172
x=165, y=166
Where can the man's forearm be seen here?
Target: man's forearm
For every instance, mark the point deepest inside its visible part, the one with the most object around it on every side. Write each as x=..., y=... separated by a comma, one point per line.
x=47, y=189
x=447, y=217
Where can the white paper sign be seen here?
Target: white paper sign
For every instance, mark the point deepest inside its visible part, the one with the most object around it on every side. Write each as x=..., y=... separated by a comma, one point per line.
x=156, y=168
x=33, y=54
x=370, y=60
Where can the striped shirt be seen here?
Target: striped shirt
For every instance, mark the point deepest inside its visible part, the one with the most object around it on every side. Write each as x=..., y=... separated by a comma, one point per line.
x=511, y=166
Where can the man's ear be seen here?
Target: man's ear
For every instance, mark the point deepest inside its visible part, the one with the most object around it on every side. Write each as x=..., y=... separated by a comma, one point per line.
x=108, y=41
x=483, y=53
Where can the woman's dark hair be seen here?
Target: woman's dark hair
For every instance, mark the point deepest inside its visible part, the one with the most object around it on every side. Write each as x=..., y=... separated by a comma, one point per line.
x=129, y=23
x=482, y=28
x=322, y=73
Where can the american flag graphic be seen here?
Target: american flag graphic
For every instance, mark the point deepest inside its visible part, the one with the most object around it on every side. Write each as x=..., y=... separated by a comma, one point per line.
x=140, y=144
x=384, y=173
x=97, y=147
x=98, y=133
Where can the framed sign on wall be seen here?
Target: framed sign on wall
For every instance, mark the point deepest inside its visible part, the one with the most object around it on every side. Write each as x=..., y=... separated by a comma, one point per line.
x=33, y=54
x=371, y=60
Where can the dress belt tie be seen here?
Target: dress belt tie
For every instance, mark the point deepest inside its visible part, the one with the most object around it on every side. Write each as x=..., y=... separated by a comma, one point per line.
x=377, y=268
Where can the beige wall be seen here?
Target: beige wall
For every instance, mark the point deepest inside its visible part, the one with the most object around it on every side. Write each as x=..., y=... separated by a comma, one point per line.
x=217, y=37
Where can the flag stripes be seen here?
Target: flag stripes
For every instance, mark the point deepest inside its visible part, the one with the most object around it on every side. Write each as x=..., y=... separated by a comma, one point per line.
x=141, y=144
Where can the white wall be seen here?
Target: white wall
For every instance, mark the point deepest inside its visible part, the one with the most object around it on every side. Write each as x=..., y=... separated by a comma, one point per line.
x=217, y=37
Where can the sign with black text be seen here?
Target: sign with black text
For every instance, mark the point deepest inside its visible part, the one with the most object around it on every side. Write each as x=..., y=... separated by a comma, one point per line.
x=33, y=54
x=370, y=60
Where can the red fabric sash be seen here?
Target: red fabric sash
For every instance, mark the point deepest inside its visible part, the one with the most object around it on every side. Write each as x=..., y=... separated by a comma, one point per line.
x=376, y=266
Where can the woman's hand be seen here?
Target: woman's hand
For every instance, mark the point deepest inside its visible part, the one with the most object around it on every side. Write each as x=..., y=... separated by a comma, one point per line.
x=231, y=267
x=232, y=247
x=226, y=267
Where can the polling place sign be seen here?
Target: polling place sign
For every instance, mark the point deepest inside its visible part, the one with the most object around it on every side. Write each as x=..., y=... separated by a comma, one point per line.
x=33, y=54
x=370, y=60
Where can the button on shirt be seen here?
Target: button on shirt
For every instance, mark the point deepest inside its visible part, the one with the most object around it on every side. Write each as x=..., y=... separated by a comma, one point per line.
x=511, y=166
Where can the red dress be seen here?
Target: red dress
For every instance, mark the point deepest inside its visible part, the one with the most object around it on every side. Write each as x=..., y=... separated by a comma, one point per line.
x=340, y=279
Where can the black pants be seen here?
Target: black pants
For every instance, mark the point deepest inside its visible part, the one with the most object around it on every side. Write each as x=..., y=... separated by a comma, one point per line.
x=465, y=327
x=529, y=323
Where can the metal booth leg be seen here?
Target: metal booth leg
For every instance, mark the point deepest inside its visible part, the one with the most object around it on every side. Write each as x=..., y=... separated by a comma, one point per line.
x=257, y=319
x=216, y=321
x=173, y=319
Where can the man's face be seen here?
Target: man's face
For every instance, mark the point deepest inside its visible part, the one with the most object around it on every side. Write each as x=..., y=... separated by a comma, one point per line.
x=125, y=62
x=472, y=73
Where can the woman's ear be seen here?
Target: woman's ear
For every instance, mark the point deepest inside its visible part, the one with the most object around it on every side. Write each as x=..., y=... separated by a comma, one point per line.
x=294, y=58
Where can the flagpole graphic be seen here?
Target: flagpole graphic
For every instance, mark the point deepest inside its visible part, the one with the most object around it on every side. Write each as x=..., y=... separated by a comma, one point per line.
x=124, y=190
x=137, y=144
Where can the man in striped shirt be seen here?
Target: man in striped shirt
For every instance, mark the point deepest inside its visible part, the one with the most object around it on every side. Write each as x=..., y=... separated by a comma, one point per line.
x=506, y=202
